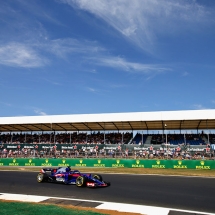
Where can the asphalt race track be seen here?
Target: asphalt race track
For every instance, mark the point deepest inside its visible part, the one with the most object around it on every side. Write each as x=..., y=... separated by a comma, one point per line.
x=186, y=193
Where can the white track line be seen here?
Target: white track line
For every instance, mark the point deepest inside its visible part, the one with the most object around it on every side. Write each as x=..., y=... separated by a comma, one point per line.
x=23, y=198
x=141, y=209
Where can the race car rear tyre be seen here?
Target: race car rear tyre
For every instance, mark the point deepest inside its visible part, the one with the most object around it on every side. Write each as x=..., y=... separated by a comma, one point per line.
x=81, y=181
x=98, y=177
x=41, y=177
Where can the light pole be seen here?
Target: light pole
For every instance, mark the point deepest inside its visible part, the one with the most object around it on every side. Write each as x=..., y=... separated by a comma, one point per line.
x=166, y=141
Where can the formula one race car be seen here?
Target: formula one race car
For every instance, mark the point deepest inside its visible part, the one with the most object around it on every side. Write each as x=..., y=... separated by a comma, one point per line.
x=67, y=176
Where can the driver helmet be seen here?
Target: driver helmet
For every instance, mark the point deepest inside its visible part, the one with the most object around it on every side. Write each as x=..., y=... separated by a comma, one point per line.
x=68, y=169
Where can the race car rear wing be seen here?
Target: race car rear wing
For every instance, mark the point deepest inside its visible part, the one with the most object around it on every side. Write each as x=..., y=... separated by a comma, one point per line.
x=44, y=170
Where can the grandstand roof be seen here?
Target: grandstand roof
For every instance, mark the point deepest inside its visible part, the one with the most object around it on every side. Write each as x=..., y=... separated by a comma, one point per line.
x=174, y=120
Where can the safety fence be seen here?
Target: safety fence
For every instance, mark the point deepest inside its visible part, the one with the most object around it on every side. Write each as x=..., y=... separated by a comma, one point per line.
x=131, y=147
x=102, y=151
x=111, y=163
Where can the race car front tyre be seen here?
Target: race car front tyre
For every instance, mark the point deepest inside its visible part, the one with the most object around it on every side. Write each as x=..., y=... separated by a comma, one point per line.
x=108, y=183
x=80, y=181
x=98, y=177
x=41, y=177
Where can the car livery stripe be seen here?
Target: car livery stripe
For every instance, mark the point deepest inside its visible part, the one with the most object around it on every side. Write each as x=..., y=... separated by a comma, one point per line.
x=59, y=175
x=74, y=175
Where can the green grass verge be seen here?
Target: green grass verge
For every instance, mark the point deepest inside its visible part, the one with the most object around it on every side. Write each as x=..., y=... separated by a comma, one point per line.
x=22, y=208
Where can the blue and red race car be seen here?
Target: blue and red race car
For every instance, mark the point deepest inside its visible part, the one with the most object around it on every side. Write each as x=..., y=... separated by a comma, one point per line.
x=67, y=176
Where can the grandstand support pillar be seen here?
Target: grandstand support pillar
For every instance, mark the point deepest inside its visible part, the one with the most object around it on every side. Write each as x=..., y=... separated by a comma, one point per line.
x=70, y=137
x=50, y=140
x=54, y=137
x=122, y=142
x=104, y=134
x=142, y=137
x=11, y=139
x=166, y=140
x=208, y=132
x=34, y=152
x=208, y=138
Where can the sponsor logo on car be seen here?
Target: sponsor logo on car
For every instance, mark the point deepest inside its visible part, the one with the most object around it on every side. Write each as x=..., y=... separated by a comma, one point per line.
x=90, y=184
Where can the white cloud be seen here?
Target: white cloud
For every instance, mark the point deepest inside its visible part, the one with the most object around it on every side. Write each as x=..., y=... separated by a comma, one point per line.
x=39, y=112
x=56, y=83
x=28, y=55
x=93, y=71
x=6, y=104
x=115, y=86
x=63, y=47
x=185, y=74
x=91, y=89
x=120, y=63
x=199, y=107
x=95, y=54
x=141, y=21
x=20, y=55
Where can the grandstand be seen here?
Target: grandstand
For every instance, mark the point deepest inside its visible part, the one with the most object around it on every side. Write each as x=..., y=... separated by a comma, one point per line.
x=181, y=121
x=162, y=131
x=147, y=121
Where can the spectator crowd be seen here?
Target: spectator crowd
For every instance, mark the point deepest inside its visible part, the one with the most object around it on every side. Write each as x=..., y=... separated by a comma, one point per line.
x=97, y=138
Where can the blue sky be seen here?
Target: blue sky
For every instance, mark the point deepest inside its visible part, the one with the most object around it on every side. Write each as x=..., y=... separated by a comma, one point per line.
x=106, y=56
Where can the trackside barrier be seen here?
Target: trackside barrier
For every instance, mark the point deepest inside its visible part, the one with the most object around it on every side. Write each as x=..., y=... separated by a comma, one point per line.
x=113, y=163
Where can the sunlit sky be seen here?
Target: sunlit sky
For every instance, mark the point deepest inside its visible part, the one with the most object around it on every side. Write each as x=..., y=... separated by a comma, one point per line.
x=106, y=56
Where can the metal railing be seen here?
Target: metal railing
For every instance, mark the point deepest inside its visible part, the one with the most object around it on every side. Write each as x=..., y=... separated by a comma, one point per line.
x=102, y=155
